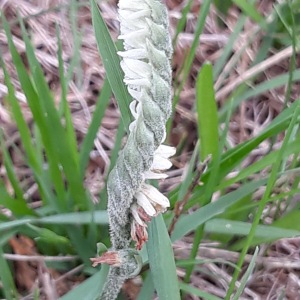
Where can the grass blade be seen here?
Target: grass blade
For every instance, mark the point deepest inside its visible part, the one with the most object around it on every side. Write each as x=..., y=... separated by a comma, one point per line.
x=246, y=276
x=161, y=260
x=190, y=222
x=207, y=113
x=250, y=10
x=111, y=61
x=98, y=115
x=264, y=200
x=194, y=291
x=91, y=288
x=59, y=148
x=7, y=281
x=190, y=57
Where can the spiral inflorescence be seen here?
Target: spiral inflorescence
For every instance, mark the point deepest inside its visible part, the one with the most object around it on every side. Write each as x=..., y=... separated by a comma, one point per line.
x=145, y=61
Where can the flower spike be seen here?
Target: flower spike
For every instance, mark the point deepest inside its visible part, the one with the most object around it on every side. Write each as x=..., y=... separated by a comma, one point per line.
x=144, y=29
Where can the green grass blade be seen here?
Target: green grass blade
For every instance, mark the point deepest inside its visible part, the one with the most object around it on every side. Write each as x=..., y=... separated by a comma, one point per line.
x=90, y=136
x=222, y=5
x=91, y=288
x=258, y=89
x=209, y=142
x=17, y=206
x=20, y=202
x=250, y=10
x=289, y=220
x=161, y=260
x=264, y=233
x=190, y=57
x=259, y=165
x=189, y=174
x=61, y=150
x=190, y=222
x=70, y=131
x=207, y=113
x=38, y=115
x=182, y=21
x=246, y=276
x=8, y=286
x=264, y=200
x=234, y=156
x=219, y=65
x=76, y=218
x=194, y=291
x=111, y=63
x=147, y=290
x=77, y=42
x=12, y=224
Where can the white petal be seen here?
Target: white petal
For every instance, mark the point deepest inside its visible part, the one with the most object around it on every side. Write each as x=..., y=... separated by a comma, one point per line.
x=134, y=53
x=129, y=15
x=160, y=163
x=155, y=195
x=138, y=82
x=136, y=215
x=132, y=125
x=137, y=66
x=135, y=69
x=154, y=175
x=135, y=37
x=133, y=5
x=134, y=93
x=144, y=202
x=135, y=108
x=165, y=151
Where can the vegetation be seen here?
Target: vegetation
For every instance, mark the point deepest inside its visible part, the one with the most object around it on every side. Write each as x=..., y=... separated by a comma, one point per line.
x=234, y=185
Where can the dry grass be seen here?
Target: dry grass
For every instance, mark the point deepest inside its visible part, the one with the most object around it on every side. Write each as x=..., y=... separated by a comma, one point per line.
x=278, y=264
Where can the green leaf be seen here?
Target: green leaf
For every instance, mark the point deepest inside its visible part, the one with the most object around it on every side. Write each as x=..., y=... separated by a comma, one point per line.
x=181, y=80
x=207, y=113
x=90, y=136
x=111, y=61
x=91, y=288
x=13, y=224
x=266, y=232
x=9, y=167
x=17, y=206
x=161, y=261
x=59, y=148
x=77, y=218
x=250, y=10
x=246, y=276
x=7, y=281
x=223, y=5
x=289, y=220
x=190, y=222
x=194, y=291
x=70, y=131
x=98, y=217
x=147, y=290
x=265, y=198
x=38, y=115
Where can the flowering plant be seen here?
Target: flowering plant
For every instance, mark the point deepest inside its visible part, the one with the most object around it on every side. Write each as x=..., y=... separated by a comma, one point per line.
x=131, y=201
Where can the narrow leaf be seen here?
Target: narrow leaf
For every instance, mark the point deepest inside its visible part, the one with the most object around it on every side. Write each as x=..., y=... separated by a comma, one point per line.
x=161, y=260
x=207, y=113
x=111, y=61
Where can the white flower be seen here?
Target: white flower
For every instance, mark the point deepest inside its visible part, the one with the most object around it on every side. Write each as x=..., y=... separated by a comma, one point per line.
x=161, y=155
x=144, y=30
x=149, y=203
